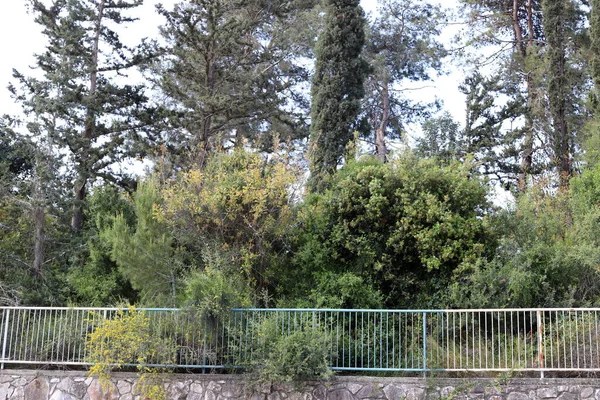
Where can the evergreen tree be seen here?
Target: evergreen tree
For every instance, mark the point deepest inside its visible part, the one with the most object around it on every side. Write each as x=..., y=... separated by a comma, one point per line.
x=78, y=99
x=401, y=47
x=556, y=23
x=231, y=72
x=595, y=46
x=442, y=138
x=592, y=129
x=337, y=87
x=515, y=28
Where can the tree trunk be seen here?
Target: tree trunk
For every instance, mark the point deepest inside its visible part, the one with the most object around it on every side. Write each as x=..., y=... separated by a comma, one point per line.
x=39, y=237
x=380, y=146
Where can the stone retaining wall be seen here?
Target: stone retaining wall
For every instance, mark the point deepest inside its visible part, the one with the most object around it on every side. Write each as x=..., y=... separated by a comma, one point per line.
x=60, y=385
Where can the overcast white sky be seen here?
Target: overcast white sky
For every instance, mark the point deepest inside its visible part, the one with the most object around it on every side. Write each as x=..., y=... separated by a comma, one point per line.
x=21, y=38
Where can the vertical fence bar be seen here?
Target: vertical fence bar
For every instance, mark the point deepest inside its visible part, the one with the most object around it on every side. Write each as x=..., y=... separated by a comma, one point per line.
x=424, y=345
x=6, y=321
x=540, y=335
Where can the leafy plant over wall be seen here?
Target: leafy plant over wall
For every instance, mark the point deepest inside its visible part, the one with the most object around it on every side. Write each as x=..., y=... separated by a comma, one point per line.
x=127, y=339
x=279, y=356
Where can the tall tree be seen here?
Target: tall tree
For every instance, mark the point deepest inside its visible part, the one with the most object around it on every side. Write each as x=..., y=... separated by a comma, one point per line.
x=230, y=72
x=337, y=87
x=557, y=15
x=595, y=46
x=592, y=131
x=84, y=106
x=401, y=47
x=514, y=27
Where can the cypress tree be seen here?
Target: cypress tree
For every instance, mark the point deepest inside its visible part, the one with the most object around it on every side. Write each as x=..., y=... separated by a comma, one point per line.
x=337, y=87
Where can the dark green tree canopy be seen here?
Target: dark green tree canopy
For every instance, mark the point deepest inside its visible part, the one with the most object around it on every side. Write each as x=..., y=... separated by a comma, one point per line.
x=404, y=227
x=337, y=86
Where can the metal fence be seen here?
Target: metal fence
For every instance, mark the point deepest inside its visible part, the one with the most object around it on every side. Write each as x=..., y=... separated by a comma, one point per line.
x=358, y=340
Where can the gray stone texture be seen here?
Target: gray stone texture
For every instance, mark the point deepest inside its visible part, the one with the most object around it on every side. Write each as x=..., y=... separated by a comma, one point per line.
x=61, y=385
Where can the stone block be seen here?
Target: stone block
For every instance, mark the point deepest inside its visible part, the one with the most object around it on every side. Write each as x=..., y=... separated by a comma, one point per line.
x=196, y=388
x=176, y=391
x=394, y=392
x=213, y=386
x=354, y=387
x=299, y=396
x=320, y=392
x=60, y=395
x=18, y=394
x=194, y=396
x=416, y=394
x=274, y=396
x=36, y=389
x=123, y=387
x=586, y=392
x=210, y=395
x=97, y=392
x=517, y=396
x=547, y=392
x=447, y=391
x=232, y=390
x=370, y=391
x=478, y=389
x=5, y=391
x=340, y=394
x=567, y=396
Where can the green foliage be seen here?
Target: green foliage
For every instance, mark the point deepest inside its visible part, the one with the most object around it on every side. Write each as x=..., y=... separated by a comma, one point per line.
x=595, y=48
x=401, y=47
x=403, y=227
x=214, y=293
x=224, y=89
x=95, y=277
x=129, y=339
x=302, y=354
x=340, y=290
x=145, y=251
x=337, y=87
x=442, y=138
x=236, y=213
x=548, y=252
x=74, y=98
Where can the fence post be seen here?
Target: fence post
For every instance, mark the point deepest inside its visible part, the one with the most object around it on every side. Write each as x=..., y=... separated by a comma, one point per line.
x=540, y=334
x=424, y=344
x=6, y=320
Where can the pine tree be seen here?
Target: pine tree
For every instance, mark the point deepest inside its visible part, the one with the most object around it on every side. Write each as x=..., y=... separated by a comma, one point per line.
x=515, y=27
x=230, y=70
x=79, y=101
x=337, y=87
x=555, y=26
x=401, y=47
x=595, y=48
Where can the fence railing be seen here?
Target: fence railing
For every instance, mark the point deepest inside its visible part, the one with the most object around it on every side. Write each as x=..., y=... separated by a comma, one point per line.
x=358, y=340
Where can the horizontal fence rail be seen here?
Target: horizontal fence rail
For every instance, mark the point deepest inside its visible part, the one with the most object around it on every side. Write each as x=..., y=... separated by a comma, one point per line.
x=357, y=340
